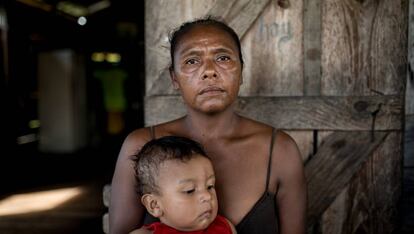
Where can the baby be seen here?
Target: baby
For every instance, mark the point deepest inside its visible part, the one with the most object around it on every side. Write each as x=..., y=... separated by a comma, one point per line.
x=176, y=184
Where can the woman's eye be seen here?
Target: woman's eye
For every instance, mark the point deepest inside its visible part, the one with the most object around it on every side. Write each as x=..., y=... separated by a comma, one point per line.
x=210, y=187
x=223, y=58
x=191, y=61
x=190, y=191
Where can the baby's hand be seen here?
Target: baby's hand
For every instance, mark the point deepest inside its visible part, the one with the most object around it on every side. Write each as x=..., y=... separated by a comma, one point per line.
x=141, y=231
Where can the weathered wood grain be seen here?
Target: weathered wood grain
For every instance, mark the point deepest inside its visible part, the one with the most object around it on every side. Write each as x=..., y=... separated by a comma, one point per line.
x=370, y=200
x=300, y=113
x=409, y=91
x=312, y=47
x=330, y=170
x=239, y=14
x=364, y=47
x=409, y=142
x=273, y=52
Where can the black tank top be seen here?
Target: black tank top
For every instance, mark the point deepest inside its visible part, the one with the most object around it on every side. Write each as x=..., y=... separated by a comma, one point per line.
x=263, y=217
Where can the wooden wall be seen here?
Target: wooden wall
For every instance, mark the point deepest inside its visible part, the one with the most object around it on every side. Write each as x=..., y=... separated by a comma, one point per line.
x=332, y=73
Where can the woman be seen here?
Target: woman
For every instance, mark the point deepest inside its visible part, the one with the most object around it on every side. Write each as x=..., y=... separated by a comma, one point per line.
x=259, y=172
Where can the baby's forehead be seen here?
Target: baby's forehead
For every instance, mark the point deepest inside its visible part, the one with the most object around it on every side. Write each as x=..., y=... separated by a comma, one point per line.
x=178, y=167
x=184, y=162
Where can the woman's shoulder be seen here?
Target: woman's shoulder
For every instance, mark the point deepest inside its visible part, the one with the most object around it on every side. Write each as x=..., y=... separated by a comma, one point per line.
x=145, y=134
x=255, y=129
x=140, y=135
x=260, y=128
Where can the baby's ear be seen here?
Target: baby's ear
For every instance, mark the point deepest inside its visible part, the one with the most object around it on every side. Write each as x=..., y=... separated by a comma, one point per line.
x=152, y=204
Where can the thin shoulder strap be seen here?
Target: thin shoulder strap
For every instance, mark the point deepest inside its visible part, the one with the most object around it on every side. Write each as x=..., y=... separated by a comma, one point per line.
x=152, y=132
x=272, y=140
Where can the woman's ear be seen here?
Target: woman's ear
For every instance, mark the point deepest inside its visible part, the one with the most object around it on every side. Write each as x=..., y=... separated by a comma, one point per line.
x=173, y=78
x=152, y=204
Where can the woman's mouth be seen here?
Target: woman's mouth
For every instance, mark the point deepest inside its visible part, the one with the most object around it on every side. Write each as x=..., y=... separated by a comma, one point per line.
x=211, y=90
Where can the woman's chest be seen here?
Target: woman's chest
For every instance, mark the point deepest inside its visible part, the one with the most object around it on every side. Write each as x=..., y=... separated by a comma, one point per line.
x=241, y=174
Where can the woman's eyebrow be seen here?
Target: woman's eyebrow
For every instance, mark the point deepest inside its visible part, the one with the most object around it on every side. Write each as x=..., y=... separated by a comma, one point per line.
x=222, y=50
x=197, y=52
x=191, y=51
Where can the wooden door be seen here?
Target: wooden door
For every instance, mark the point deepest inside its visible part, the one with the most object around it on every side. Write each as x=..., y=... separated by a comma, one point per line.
x=329, y=72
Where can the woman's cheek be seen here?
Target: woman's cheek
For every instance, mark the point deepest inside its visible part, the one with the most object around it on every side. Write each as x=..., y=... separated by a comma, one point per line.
x=188, y=70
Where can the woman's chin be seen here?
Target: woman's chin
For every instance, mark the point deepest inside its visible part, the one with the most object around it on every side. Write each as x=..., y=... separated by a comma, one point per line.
x=212, y=107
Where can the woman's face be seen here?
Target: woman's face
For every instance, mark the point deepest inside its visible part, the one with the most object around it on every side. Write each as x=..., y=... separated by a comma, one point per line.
x=207, y=69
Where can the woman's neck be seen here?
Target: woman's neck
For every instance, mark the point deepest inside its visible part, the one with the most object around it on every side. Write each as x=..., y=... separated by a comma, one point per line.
x=204, y=127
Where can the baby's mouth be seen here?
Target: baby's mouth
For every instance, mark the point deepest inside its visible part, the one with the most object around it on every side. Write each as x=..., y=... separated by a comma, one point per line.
x=206, y=214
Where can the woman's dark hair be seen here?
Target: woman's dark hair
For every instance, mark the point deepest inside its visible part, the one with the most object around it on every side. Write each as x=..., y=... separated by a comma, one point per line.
x=155, y=152
x=178, y=33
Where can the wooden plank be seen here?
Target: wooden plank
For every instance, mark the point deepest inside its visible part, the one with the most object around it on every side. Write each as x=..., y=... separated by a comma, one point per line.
x=312, y=47
x=300, y=113
x=409, y=142
x=337, y=160
x=273, y=52
x=364, y=47
x=376, y=188
x=239, y=14
x=334, y=219
x=409, y=91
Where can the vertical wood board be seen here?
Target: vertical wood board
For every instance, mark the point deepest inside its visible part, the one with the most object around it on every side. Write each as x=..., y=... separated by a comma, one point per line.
x=409, y=91
x=312, y=47
x=273, y=52
x=364, y=49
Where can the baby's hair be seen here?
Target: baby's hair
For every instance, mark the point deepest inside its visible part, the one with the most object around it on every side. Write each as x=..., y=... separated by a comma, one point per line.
x=155, y=152
x=178, y=33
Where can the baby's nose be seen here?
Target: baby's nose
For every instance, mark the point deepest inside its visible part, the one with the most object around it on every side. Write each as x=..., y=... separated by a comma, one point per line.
x=205, y=196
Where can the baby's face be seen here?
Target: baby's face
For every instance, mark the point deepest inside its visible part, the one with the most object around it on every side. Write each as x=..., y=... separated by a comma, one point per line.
x=187, y=195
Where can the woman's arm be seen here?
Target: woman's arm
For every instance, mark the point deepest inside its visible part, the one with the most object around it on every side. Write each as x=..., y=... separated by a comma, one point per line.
x=141, y=231
x=233, y=229
x=125, y=208
x=291, y=195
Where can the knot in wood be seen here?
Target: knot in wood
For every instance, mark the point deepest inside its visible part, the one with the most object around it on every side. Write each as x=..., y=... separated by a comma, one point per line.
x=361, y=106
x=338, y=144
x=283, y=3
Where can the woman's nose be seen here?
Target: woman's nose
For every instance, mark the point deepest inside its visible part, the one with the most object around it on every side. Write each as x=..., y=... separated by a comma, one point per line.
x=209, y=70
